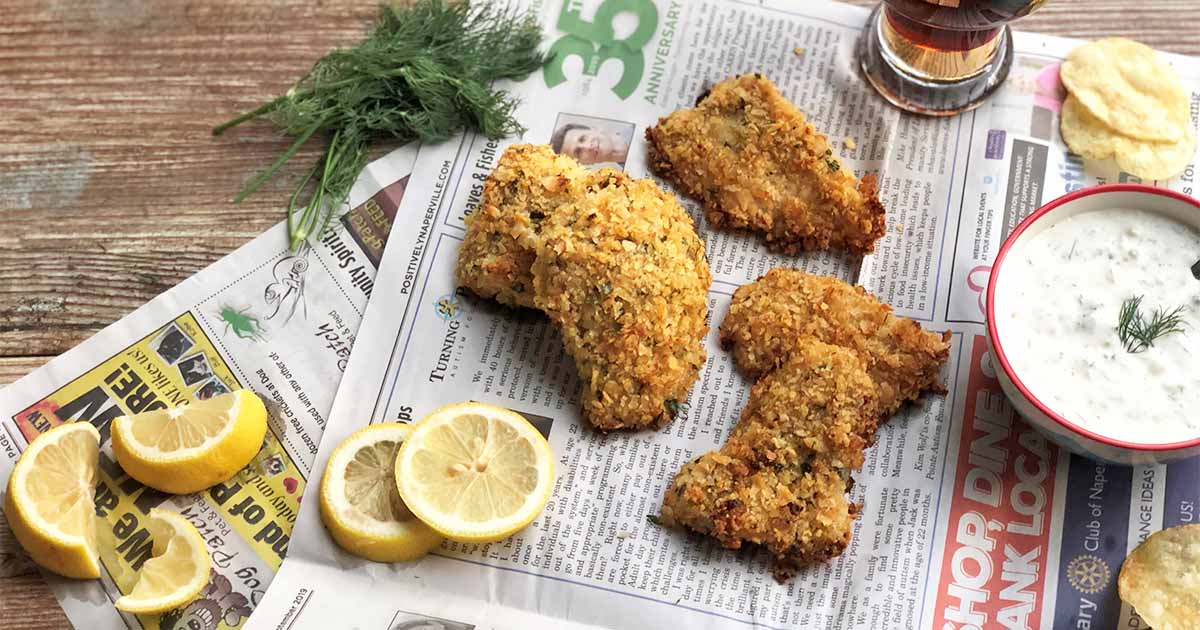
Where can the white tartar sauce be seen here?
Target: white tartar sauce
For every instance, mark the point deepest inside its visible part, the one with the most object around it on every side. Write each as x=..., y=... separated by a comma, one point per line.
x=1057, y=306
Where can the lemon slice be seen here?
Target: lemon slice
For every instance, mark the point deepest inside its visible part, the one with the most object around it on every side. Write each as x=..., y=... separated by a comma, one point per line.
x=190, y=448
x=49, y=503
x=475, y=472
x=360, y=504
x=176, y=573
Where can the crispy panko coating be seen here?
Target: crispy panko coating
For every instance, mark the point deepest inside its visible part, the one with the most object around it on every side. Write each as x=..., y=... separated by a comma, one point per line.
x=624, y=275
x=832, y=362
x=781, y=479
x=528, y=184
x=756, y=163
x=771, y=316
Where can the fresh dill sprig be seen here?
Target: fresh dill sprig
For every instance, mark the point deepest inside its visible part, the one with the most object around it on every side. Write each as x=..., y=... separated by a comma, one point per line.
x=1137, y=333
x=423, y=73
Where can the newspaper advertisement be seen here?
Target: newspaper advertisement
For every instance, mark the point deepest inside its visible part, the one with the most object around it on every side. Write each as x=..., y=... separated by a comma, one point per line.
x=969, y=519
x=264, y=318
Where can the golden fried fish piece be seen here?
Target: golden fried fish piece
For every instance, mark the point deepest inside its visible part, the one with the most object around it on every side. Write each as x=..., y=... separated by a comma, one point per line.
x=623, y=273
x=756, y=163
x=528, y=185
x=832, y=362
x=772, y=315
x=781, y=479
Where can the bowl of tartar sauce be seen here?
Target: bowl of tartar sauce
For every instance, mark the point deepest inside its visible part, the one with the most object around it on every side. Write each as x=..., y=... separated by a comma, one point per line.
x=1093, y=322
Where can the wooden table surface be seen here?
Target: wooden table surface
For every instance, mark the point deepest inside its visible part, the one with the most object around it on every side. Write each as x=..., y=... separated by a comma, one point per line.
x=112, y=189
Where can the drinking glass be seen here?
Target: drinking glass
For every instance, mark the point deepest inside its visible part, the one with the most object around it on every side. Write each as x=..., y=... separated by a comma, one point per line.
x=940, y=57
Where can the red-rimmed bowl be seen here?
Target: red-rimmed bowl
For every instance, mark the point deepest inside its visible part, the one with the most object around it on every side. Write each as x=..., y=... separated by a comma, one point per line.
x=1062, y=431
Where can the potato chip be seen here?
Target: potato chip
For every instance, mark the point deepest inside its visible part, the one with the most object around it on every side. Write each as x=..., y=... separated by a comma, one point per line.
x=1088, y=136
x=1085, y=134
x=1129, y=87
x=1155, y=160
x=1161, y=578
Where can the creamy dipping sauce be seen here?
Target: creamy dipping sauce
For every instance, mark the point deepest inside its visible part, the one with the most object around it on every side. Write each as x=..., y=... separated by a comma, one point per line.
x=1057, y=305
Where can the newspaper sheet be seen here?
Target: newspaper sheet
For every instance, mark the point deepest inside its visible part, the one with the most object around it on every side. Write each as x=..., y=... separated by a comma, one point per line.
x=264, y=318
x=964, y=505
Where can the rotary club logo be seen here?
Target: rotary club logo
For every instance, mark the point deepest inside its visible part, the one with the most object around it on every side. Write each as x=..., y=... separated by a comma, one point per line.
x=1088, y=574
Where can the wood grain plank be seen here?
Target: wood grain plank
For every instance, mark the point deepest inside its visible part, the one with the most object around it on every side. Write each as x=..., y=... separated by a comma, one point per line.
x=13, y=368
x=14, y=562
x=26, y=603
x=1162, y=24
x=112, y=186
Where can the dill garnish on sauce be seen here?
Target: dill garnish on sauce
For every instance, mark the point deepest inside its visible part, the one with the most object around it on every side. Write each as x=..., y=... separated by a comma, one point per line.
x=1137, y=333
x=423, y=73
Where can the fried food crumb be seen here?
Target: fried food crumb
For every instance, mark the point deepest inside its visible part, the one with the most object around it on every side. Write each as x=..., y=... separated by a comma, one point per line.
x=756, y=163
x=798, y=51
x=849, y=143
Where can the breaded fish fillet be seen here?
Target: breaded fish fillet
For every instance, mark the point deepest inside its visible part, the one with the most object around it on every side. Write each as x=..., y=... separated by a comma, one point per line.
x=780, y=480
x=832, y=363
x=528, y=184
x=624, y=275
x=756, y=163
x=771, y=316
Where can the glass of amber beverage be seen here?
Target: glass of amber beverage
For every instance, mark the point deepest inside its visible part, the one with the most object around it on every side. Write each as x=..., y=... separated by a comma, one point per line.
x=939, y=57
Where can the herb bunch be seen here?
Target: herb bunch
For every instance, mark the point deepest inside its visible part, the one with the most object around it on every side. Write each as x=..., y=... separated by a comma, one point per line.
x=1137, y=333
x=424, y=72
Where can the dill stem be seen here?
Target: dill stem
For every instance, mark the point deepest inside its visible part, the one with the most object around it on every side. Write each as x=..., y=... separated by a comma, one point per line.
x=277, y=164
x=312, y=211
x=254, y=113
x=291, y=209
x=267, y=108
x=333, y=163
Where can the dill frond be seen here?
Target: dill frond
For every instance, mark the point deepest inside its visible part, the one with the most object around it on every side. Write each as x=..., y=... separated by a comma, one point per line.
x=1138, y=334
x=424, y=73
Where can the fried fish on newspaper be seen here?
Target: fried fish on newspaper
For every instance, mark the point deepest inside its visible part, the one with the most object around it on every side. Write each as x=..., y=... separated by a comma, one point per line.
x=528, y=185
x=783, y=308
x=623, y=273
x=832, y=363
x=781, y=479
x=756, y=163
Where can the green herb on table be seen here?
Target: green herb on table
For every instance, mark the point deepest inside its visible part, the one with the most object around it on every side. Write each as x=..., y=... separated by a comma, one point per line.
x=1138, y=333
x=423, y=73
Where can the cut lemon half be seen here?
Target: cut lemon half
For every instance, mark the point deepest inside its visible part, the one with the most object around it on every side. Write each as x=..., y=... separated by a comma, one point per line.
x=190, y=448
x=360, y=504
x=475, y=472
x=176, y=573
x=50, y=500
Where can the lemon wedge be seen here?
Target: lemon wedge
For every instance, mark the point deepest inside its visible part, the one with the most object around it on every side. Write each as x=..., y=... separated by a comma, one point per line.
x=475, y=472
x=177, y=572
x=360, y=504
x=49, y=503
x=190, y=448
